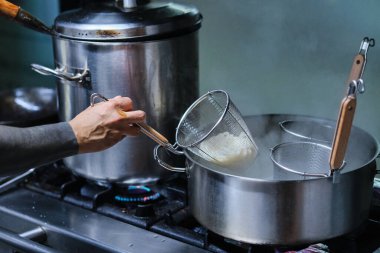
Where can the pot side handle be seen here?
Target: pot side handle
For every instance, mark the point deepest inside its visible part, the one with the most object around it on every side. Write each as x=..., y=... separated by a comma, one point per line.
x=164, y=164
x=80, y=78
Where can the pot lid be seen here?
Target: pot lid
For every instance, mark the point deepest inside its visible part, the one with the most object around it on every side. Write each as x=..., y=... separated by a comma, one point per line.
x=108, y=20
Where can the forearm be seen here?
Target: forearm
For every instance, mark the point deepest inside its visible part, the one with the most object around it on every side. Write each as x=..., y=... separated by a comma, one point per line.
x=23, y=148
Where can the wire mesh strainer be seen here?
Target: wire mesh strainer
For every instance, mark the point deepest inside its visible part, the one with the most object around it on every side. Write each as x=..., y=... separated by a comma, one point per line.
x=303, y=158
x=213, y=128
x=308, y=130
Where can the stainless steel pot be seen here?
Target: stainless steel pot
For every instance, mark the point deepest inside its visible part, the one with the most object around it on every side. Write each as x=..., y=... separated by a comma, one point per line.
x=265, y=204
x=146, y=51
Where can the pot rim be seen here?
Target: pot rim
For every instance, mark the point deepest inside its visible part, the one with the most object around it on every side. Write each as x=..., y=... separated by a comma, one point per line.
x=224, y=171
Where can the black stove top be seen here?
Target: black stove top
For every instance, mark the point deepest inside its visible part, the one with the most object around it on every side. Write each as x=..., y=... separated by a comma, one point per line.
x=163, y=210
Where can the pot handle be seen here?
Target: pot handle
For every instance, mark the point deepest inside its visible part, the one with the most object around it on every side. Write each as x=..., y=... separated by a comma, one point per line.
x=164, y=164
x=80, y=78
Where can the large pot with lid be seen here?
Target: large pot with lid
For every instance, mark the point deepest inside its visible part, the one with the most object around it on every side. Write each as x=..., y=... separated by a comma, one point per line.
x=145, y=50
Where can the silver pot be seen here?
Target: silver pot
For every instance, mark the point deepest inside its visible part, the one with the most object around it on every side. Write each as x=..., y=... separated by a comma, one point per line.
x=148, y=52
x=265, y=204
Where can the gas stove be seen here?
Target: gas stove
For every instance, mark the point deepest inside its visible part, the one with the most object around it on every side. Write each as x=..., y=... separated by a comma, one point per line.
x=55, y=211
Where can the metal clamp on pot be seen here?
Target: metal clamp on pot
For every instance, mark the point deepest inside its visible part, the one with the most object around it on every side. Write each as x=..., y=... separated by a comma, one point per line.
x=81, y=77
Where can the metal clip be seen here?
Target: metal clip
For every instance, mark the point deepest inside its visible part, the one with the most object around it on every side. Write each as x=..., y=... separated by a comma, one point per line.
x=80, y=76
x=355, y=87
x=336, y=173
x=366, y=42
x=336, y=177
x=94, y=96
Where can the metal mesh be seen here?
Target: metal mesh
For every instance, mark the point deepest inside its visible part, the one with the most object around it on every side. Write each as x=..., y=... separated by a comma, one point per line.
x=308, y=129
x=214, y=129
x=304, y=158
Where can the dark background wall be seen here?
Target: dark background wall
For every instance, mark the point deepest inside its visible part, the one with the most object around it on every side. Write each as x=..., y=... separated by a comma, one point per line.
x=19, y=47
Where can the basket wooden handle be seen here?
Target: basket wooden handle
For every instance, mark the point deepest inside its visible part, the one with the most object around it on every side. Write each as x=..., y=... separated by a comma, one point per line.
x=23, y=17
x=149, y=131
x=357, y=68
x=8, y=9
x=342, y=133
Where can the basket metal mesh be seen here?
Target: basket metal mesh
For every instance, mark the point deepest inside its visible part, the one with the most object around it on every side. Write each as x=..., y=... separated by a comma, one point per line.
x=214, y=129
x=304, y=158
x=308, y=129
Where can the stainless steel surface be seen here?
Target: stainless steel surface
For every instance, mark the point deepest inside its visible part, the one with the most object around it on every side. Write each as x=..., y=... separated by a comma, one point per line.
x=129, y=3
x=159, y=74
x=283, y=212
x=17, y=242
x=104, y=21
x=37, y=234
x=162, y=163
x=74, y=229
x=267, y=205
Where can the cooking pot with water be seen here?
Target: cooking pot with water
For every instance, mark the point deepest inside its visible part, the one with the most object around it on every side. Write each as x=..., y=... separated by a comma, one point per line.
x=266, y=204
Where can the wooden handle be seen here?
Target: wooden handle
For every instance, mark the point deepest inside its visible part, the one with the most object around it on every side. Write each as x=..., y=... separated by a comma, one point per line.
x=8, y=9
x=153, y=132
x=148, y=130
x=342, y=132
x=357, y=68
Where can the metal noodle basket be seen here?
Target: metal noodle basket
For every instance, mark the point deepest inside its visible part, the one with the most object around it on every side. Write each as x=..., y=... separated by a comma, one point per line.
x=213, y=128
x=303, y=158
x=309, y=130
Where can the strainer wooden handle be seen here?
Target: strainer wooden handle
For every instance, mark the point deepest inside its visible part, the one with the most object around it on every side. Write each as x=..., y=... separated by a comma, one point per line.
x=357, y=68
x=23, y=17
x=342, y=133
x=148, y=130
x=8, y=9
x=346, y=117
x=153, y=134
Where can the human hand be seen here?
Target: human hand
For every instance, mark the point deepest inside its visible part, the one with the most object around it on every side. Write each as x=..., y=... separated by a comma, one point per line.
x=103, y=125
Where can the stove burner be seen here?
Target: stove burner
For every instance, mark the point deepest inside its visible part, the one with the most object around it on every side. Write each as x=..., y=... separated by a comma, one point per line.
x=138, y=194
